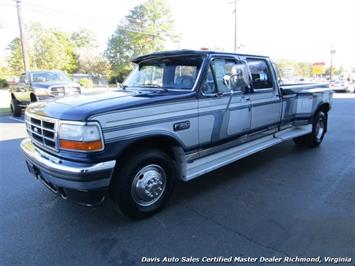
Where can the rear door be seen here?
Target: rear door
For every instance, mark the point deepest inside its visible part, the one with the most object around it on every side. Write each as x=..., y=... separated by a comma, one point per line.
x=265, y=100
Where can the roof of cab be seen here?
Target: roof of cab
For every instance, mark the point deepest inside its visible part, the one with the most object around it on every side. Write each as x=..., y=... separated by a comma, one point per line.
x=185, y=52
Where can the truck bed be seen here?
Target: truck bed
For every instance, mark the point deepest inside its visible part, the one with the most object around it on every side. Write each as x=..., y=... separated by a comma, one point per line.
x=289, y=89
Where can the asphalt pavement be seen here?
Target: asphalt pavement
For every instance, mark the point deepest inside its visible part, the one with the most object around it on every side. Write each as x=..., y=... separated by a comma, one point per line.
x=284, y=202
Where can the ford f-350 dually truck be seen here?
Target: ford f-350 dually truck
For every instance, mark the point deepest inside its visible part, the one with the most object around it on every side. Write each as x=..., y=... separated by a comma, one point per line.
x=179, y=115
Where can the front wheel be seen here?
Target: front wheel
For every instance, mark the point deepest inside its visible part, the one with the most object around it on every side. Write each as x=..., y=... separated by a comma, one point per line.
x=143, y=183
x=15, y=108
x=315, y=138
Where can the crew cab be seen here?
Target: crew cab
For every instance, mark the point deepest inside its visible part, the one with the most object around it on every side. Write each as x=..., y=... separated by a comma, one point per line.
x=40, y=85
x=180, y=115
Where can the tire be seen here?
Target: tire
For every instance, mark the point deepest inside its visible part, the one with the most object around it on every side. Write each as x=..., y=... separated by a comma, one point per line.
x=144, y=183
x=15, y=108
x=318, y=130
x=33, y=98
x=315, y=138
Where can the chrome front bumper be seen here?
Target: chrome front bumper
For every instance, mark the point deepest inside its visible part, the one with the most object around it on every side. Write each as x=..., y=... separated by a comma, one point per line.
x=66, y=174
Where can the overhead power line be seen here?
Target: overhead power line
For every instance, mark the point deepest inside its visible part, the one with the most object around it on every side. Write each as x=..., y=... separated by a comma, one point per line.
x=34, y=7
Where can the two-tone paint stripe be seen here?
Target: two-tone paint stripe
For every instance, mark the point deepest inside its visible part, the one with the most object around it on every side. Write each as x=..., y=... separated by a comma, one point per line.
x=217, y=112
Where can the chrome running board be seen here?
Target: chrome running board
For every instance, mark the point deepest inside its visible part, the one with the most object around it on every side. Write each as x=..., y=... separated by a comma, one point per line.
x=214, y=161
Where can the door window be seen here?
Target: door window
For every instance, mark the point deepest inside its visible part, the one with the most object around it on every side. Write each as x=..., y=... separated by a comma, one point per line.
x=219, y=74
x=221, y=68
x=260, y=73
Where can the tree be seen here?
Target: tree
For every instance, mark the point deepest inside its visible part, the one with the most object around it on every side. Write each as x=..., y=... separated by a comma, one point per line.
x=300, y=69
x=15, y=61
x=304, y=69
x=89, y=59
x=84, y=38
x=336, y=71
x=51, y=49
x=92, y=62
x=145, y=29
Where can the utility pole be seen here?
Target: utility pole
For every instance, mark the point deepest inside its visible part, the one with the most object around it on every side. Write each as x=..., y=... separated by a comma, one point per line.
x=22, y=36
x=235, y=25
x=332, y=52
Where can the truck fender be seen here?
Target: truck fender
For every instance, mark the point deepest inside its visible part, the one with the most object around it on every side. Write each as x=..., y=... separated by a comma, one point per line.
x=165, y=141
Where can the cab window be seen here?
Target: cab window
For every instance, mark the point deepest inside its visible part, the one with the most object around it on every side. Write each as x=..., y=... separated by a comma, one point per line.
x=220, y=68
x=260, y=73
x=219, y=73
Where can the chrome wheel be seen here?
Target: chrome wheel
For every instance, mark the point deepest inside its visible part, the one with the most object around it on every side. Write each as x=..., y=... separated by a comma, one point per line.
x=320, y=128
x=148, y=185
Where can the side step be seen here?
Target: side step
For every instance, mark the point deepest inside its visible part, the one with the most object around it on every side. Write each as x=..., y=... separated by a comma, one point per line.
x=214, y=161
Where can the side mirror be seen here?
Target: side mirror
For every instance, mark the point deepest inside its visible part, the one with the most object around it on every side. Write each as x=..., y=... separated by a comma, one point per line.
x=240, y=79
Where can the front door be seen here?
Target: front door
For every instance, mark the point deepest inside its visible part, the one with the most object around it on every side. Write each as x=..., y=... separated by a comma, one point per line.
x=223, y=116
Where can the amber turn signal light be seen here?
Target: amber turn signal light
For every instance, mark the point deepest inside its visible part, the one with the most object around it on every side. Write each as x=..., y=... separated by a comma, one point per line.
x=80, y=145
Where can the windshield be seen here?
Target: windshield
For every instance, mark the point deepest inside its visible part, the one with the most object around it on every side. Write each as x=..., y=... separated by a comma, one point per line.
x=167, y=73
x=49, y=76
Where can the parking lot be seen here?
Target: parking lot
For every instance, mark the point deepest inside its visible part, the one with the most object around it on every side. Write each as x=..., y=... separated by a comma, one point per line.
x=285, y=201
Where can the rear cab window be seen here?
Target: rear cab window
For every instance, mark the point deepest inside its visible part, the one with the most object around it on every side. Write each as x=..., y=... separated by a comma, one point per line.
x=261, y=74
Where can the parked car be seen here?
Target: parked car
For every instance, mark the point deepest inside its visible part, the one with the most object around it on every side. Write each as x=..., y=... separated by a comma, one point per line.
x=181, y=115
x=340, y=86
x=40, y=85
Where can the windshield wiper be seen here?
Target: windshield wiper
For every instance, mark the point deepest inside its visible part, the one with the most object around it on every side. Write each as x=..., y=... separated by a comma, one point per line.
x=151, y=85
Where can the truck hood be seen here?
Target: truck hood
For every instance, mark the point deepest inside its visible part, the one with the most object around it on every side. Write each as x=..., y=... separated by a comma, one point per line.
x=82, y=106
x=45, y=85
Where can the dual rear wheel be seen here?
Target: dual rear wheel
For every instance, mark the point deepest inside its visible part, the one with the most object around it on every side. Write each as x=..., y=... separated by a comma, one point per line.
x=315, y=138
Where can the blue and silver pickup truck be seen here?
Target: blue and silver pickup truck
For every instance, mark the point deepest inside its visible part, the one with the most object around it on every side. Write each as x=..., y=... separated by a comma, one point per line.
x=179, y=115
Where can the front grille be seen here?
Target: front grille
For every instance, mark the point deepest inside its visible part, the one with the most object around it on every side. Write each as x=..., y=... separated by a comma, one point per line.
x=57, y=91
x=42, y=131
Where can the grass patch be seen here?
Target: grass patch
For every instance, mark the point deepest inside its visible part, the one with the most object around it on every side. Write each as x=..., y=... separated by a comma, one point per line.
x=5, y=110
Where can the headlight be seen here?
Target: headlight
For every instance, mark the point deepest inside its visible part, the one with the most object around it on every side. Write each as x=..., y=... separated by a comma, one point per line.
x=80, y=137
x=41, y=91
